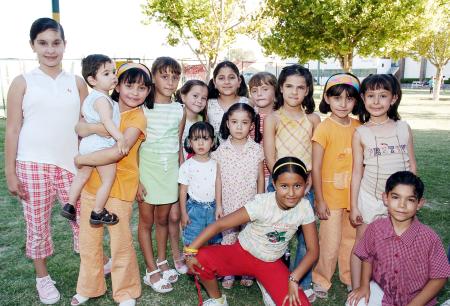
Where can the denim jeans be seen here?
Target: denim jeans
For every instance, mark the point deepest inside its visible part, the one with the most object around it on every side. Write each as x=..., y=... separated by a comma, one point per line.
x=305, y=282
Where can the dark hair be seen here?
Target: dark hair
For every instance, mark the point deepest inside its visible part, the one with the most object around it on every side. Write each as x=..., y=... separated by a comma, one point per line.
x=43, y=24
x=136, y=75
x=289, y=164
x=262, y=78
x=90, y=65
x=200, y=128
x=225, y=131
x=186, y=88
x=162, y=63
x=381, y=81
x=336, y=90
x=405, y=178
x=213, y=93
x=308, y=103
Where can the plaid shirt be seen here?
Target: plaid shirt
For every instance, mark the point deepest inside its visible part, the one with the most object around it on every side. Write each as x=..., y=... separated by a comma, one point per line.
x=402, y=265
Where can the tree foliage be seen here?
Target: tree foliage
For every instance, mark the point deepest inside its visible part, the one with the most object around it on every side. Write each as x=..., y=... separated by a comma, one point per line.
x=207, y=27
x=320, y=29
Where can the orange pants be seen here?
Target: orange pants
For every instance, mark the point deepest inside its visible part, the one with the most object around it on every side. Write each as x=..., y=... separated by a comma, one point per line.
x=126, y=283
x=336, y=239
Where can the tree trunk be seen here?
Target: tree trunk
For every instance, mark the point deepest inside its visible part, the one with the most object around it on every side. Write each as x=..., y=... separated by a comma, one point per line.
x=437, y=84
x=346, y=61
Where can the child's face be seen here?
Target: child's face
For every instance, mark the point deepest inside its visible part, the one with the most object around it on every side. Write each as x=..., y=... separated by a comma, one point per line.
x=378, y=101
x=294, y=90
x=166, y=83
x=239, y=123
x=290, y=189
x=263, y=96
x=49, y=48
x=342, y=105
x=105, y=78
x=201, y=143
x=227, y=82
x=402, y=203
x=195, y=99
x=131, y=95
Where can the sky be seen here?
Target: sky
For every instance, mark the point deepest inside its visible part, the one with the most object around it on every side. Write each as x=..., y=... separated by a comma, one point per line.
x=111, y=27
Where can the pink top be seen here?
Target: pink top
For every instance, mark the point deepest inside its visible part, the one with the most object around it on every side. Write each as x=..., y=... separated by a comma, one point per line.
x=402, y=265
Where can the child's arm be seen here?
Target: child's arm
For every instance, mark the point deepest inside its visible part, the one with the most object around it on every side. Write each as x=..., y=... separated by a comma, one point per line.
x=104, y=109
x=269, y=141
x=428, y=292
x=411, y=155
x=219, y=208
x=84, y=129
x=322, y=209
x=180, y=138
x=183, y=198
x=357, y=173
x=14, y=122
x=110, y=155
x=364, y=290
x=261, y=182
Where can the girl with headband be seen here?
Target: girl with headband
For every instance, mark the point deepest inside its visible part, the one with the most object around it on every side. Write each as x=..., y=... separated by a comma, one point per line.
x=272, y=220
x=331, y=173
x=133, y=89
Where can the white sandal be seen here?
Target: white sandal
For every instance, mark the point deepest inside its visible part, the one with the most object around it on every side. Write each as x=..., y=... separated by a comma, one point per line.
x=168, y=274
x=80, y=300
x=159, y=285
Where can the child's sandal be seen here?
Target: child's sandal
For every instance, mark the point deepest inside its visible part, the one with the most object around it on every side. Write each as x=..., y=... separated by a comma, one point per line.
x=103, y=217
x=161, y=286
x=320, y=292
x=170, y=275
x=78, y=300
x=227, y=282
x=180, y=265
x=246, y=281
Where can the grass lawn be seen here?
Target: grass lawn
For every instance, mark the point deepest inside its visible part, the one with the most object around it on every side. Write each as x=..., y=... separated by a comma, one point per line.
x=17, y=273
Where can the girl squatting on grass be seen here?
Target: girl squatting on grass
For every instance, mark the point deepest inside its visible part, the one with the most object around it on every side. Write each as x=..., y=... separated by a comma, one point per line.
x=40, y=144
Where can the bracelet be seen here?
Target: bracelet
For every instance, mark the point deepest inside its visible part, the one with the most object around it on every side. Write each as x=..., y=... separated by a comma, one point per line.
x=292, y=279
x=191, y=251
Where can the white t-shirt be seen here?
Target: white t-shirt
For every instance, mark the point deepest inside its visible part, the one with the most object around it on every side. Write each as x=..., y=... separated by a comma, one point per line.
x=200, y=177
x=267, y=235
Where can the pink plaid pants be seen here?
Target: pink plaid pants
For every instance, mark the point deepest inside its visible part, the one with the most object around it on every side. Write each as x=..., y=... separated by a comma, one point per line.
x=43, y=183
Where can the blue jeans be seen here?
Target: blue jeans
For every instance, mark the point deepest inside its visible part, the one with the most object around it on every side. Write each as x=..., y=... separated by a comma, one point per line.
x=305, y=282
x=201, y=214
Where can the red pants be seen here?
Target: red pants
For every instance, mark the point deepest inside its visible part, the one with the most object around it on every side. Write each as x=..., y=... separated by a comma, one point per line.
x=232, y=259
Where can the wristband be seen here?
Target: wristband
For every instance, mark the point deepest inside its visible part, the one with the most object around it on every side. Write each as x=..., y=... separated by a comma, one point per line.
x=292, y=279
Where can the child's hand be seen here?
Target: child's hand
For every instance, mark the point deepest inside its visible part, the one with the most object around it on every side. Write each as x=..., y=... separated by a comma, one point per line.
x=355, y=217
x=123, y=146
x=15, y=187
x=358, y=294
x=219, y=213
x=185, y=219
x=192, y=262
x=141, y=193
x=292, y=298
x=322, y=210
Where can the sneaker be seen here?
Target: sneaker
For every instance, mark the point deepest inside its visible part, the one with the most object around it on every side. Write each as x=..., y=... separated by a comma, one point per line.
x=48, y=294
x=107, y=267
x=222, y=301
x=68, y=211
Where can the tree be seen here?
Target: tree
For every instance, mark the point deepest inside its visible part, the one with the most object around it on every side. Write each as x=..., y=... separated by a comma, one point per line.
x=320, y=29
x=207, y=27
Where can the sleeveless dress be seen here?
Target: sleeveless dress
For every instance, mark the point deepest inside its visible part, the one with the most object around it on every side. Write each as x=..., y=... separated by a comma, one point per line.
x=383, y=156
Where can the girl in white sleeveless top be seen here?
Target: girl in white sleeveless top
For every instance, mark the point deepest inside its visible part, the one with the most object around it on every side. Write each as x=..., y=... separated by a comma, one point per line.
x=40, y=144
x=382, y=146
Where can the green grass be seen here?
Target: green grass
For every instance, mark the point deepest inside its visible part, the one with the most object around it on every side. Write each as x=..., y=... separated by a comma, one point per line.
x=17, y=273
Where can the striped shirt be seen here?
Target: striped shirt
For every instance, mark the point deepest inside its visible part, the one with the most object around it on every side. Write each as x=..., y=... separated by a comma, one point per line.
x=163, y=123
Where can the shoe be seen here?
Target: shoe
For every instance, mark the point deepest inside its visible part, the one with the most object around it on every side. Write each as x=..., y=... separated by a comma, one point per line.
x=68, y=211
x=267, y=299
x=103, y=217
x=159, y=286
x=350, y=289
x=227, y=282
x=78, y=300
x=129, y=302
x=246, y=281
x=48, y=294
x=180, y=265
x=310, y=295
x=170, y=275
x=216, y=302
x=320, y=292
x=107, y=267
x=446, y=303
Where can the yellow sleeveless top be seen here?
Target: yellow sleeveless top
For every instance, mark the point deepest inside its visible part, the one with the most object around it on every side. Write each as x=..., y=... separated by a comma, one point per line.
x=293, y=138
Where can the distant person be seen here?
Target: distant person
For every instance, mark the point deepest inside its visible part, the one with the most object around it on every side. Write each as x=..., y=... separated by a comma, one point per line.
x=41, y=143
x=100, y=73
x=404, y=261
x=431, y=83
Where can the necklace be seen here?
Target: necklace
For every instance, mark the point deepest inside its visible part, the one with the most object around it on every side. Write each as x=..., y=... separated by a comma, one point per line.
x=379, y=123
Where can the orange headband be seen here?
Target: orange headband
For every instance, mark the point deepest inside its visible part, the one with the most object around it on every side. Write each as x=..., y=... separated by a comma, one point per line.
x=127, y=66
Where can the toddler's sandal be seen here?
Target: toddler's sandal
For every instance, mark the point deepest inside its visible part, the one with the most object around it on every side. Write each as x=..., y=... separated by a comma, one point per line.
x=78, y=299
x=103, y=217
